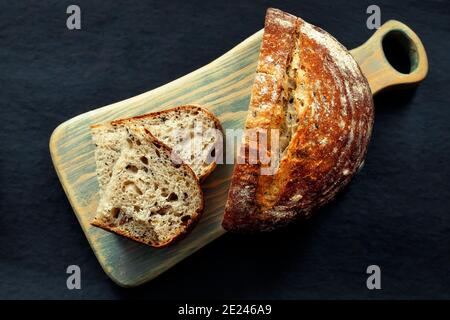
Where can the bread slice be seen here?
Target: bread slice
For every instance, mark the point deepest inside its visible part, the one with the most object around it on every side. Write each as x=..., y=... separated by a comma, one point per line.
x=190, y=131
x=150, y=197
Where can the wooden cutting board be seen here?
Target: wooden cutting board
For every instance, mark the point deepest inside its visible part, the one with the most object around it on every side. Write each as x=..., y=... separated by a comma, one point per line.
x=223, y=86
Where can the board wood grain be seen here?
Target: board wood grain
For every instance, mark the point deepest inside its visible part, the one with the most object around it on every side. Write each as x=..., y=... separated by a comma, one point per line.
x=223, y=86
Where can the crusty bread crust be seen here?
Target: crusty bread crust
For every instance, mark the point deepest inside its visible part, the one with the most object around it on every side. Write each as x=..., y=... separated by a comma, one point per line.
x=189, y=107
x=334, y=113
x=195, y=216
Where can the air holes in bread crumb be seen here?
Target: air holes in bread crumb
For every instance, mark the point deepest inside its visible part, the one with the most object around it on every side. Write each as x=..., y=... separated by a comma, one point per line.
x=130, y=143
x=115, y=212
x=185, y=218
x=172, y=197
x=124, y=219
x=163, y=210
x=131, y=168
x=144, y=160
x=130, y=186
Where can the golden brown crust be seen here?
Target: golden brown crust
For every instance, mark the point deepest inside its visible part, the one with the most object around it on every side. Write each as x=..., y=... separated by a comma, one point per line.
x=335, y=116
x=195, y=217
x=278, y=41
x=189, y=107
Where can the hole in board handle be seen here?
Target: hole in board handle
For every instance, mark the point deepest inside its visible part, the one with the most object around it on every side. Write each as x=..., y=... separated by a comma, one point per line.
x=400, y=51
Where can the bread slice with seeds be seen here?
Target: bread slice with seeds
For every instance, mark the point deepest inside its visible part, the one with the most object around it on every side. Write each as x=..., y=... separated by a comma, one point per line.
x=151, y=197
x=190, y=131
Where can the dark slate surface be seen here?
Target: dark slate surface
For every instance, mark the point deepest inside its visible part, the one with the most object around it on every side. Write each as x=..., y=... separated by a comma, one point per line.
x=395, y=213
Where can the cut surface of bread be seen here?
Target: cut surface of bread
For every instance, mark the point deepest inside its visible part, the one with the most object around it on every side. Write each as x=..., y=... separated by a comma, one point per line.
x=310, y=91
x=190, y=131
x=150, y=198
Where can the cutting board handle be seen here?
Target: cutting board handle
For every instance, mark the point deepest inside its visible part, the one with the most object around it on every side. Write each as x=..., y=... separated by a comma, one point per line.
x=374, y=57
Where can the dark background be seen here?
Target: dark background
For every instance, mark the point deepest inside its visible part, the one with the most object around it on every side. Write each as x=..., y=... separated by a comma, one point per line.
x=394, y=214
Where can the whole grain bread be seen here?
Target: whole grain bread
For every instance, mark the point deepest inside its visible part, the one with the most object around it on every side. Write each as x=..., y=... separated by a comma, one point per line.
x=309, y=88
x=190, y=131
x=150, y=198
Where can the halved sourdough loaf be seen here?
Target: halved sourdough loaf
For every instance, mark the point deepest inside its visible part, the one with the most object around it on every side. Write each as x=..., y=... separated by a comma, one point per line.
x=190, y=131
x=150, y=198
x=310, y=89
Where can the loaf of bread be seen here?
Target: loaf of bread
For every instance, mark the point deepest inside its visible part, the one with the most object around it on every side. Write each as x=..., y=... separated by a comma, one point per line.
x=190, y=131
x=150, y=198
x=309, y=90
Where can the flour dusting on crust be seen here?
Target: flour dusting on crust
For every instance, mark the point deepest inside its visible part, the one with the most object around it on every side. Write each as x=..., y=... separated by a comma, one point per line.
x=310, y=88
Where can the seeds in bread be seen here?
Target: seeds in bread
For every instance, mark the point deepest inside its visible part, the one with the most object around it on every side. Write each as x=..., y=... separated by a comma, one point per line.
x=149, y=198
